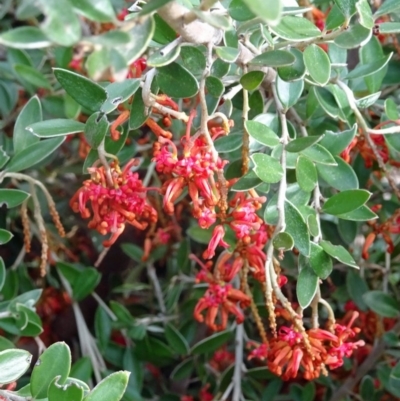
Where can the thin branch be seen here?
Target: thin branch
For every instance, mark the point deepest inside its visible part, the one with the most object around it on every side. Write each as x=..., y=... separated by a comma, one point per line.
x=151, y=273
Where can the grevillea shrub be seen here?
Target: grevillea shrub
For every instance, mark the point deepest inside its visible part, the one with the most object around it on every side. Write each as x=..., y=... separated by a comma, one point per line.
x=200, y=200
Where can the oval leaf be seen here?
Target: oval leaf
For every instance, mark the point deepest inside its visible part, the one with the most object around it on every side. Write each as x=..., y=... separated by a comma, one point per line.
x=212, y=343
x=307, y=285
x=56, y=127
x=318, y=64
x=267, y=168
x=381, y=303
x=346, y=201
x=13, y=364
x=111, y=388
x=297, y=228
x=176, y=81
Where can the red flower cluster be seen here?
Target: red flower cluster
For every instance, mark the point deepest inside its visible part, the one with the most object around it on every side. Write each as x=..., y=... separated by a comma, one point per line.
x=288, y=352
x=115, y=203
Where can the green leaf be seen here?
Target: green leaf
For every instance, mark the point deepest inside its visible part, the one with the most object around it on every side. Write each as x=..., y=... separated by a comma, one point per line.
x=252, y=80
x=347, y=7
x=13, y=364
x=228, y=143
x=363, y=213
x=273, y=58
x=86, y=92
x=34, y=154
x=338, y=252
x=302, y=143
x=56, y=127
x=306, y=174
x=248, y=181
x=183, y=370
x=176, y=81
x=214, y=86
x=386, y=28
x=387, y=7
x=5, y=236
x=176, y=340
x=227, y=54
x=337, y=142
x=95, y=10
x=270, y=12
x=355, y=36
x=96, y=129
x=12, y=197
x=30, y=113
x=138, y=113
x=297, y=228
x=289, y=92
x=295, y=71
x=25, y=37
x=55, y=361
x=85, y=284
x=383, y=304
x=364, y=70
x=64, y=392
x=152, y=5
x=212, y=343
x=307, y=283
x=318, y=64
x=262, y=133
x=283, y=241
x=341, y=177
x=318, y=154
x=4, y=158
x=3, y=274
x=160, y=59
x=367, y=101
x=391, y=109
x=239, y=10
x=111, y=388
x=103, y=327
x=267, y=168
x=346, y=201
x=32, y=75
x=365, y=14
x=326, y=100
x=295, y=29
x=320, y=261
x=122, y=313
x=142, y=33
x=193, y=59
x=119, y=92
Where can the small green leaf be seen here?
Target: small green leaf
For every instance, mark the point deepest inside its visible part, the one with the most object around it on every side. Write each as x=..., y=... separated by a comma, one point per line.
x=283, y=241
x=248, y=181
x=383, y=304
x=56, y=127
x=274, y=58
x=387, y=28
x=347, y=7
x=142, y=33
x=159, y=59
x=339, y=252
x=364, y=70
x=363, y=213
x=289, y=92
x=34, y=154
x=270, y=12
x=295, y=71
x=295, y=29
x=96, y=129
x=183, y=370
x=111, y=388
x=355, y=36
x=95, y=10
x=318, y=154
x=318, y=64
x=391, y=109
x=261, y=133
x=302, y=143
x=340, y=177
x=83, y=90
x=55, y=361
x=387, y=7
x=12, y=197
x=85, y=284
x=252, y=80
x=212, y=343
x=4, y=158
x=214, y=86
x=138, y=111
x=30, y=113
x=5, y=236
x=13, y=364
x=119, y=92
x=25, y=37
x=297, y=228
x=102, y=326
x=32, y=75
x=267, y=168
x=64, y=392
x=176, y=81
x=346, y=201
x=3, y=274
x=176, y=340
x=337, y=142
x=320, y=261
x=228, y=143
x=227, y=54
x=365, y=14
x=306, y=174
x=307, y=283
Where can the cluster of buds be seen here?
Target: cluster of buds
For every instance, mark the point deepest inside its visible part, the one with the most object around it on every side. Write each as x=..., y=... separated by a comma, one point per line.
x=116, y=197
x=288, y=354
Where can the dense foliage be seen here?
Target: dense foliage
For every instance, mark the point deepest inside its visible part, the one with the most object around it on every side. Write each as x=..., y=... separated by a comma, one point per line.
x=200, y=200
